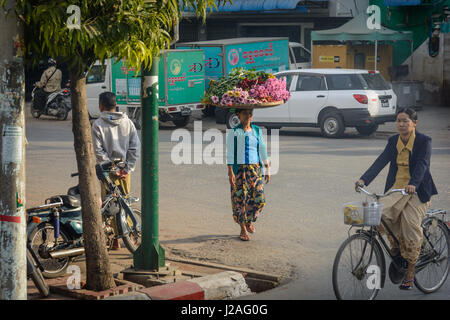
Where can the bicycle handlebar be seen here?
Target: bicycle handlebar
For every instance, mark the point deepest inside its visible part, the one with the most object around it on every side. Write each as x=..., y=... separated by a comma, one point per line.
x=116, y=163
x=360, y=188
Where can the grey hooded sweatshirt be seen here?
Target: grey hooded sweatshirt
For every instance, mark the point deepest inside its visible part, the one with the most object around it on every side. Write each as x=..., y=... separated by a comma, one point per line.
x=115, y=137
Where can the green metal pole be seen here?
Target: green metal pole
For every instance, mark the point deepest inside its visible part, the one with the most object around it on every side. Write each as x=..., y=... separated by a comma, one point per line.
x=150, y=255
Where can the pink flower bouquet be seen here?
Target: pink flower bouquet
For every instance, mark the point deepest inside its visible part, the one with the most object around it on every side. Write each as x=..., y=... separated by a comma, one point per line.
x=247, y=89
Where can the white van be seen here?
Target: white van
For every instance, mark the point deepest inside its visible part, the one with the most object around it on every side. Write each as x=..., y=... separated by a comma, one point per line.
x=331, y=99
x=299, y=56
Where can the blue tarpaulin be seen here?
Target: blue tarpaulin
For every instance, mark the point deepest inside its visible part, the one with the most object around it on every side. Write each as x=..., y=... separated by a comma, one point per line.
x=393, y=3
x=259, y=5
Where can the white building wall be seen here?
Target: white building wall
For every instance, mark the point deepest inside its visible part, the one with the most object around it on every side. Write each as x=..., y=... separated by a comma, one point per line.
x=347, y=8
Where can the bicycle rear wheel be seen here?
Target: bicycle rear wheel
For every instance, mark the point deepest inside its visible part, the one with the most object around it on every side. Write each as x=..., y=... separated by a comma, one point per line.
x=358, y=269
x=433, y=265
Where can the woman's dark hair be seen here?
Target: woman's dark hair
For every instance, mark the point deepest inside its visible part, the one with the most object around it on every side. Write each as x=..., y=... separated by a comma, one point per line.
x=237, y=111
x=108, y=100
x=412, y=114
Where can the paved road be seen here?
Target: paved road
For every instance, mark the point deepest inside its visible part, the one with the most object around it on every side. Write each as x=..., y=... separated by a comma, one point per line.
x=301, y=226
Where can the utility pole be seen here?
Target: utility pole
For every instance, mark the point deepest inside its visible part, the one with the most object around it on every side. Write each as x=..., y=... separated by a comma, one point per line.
x=13, y=277
x=150, y=255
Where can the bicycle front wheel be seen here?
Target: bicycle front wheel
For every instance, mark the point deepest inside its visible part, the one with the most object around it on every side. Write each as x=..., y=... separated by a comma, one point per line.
x=133, y=238
x=433, y=265
x=358, y=269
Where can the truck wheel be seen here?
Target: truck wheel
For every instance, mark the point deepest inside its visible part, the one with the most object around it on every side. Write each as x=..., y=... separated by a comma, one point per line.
x=232, y=120
x=332, y=125
x=221, y=115
x=209, y=111
x=182, y=122
x=367, y=130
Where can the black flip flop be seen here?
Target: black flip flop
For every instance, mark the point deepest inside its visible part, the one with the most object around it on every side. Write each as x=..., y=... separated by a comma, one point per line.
x=407, y=285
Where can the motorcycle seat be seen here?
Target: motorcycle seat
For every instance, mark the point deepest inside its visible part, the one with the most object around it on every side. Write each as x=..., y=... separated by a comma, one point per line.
x=70, y=202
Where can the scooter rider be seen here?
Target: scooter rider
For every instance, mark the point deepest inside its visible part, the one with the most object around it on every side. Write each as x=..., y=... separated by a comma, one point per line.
x=50, y=82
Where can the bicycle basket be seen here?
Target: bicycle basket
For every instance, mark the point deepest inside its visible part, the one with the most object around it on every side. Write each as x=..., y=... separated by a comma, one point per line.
x=363, y=213
x=372, y=213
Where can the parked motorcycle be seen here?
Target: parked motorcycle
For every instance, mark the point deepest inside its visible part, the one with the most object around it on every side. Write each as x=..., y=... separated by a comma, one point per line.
x=57, y=105
x=55, y=231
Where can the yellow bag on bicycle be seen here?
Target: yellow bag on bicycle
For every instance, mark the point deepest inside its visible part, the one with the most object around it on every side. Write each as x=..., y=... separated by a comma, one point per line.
x=353, y=213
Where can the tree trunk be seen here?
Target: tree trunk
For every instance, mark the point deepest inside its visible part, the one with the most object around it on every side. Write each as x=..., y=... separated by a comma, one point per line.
x=99, y=276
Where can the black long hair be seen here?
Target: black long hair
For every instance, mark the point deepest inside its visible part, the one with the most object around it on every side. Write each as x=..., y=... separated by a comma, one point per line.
x=412, y=114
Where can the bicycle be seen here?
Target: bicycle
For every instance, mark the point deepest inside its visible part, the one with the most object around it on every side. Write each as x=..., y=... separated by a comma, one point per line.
x=55, y=231
x=116, y=198
x=364, y=269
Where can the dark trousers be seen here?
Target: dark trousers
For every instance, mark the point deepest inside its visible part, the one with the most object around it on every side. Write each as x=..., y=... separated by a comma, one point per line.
x=40, y=99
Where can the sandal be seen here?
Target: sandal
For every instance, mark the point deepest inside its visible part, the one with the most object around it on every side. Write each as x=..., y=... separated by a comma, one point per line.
x=250, y=228
x=244, y=237
x=407, y=284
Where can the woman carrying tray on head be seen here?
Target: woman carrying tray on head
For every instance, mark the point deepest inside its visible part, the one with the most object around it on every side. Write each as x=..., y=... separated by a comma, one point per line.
x=246, y=156
x=409, y=154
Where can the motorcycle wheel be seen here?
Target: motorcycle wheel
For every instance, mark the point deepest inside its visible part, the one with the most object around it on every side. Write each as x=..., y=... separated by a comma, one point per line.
x=35, y=113
x=37, y=277
x=63, y=110
x=133, y=239
x=43, y=235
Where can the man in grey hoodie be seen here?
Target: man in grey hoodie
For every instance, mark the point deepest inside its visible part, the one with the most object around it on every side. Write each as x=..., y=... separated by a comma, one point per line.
x=115, y=137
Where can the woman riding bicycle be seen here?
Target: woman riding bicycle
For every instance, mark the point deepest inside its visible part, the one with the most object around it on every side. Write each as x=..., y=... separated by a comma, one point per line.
x=409, y=154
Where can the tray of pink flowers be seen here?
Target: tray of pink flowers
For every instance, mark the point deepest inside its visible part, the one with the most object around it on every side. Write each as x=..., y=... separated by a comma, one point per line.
x=247, y=89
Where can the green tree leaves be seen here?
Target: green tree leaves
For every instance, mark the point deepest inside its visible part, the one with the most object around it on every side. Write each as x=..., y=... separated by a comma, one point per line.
x=133, y=30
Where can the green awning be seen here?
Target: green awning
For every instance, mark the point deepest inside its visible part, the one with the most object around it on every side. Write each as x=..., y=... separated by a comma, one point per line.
x=357, y=30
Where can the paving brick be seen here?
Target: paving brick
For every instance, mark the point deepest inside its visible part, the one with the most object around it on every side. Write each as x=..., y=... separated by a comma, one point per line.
x=59, y=286
x=183, y=290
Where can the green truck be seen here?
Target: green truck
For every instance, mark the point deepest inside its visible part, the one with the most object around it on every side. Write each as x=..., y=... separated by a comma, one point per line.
x=181, y=86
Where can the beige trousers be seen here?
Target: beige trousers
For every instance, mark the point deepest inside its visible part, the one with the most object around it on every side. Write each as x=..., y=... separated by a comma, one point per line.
x=403, y=215
x=125, y=183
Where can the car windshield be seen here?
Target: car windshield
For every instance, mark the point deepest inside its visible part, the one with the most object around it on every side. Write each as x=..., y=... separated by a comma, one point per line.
x=375, y=81
x=301, y=55
x=96, y=74
x=346, y=82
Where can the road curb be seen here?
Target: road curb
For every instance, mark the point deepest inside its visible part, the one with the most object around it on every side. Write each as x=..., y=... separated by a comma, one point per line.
x=219, y=286
x=244, y=271
x=224, y=285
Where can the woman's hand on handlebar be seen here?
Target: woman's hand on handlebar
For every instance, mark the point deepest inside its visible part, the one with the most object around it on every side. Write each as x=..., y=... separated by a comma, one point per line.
x=359, y=184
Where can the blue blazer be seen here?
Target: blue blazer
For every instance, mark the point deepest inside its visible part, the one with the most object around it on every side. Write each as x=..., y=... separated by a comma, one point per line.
x=419, y=166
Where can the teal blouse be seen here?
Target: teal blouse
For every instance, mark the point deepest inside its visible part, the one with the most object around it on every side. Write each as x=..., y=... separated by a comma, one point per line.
x=245, y=147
